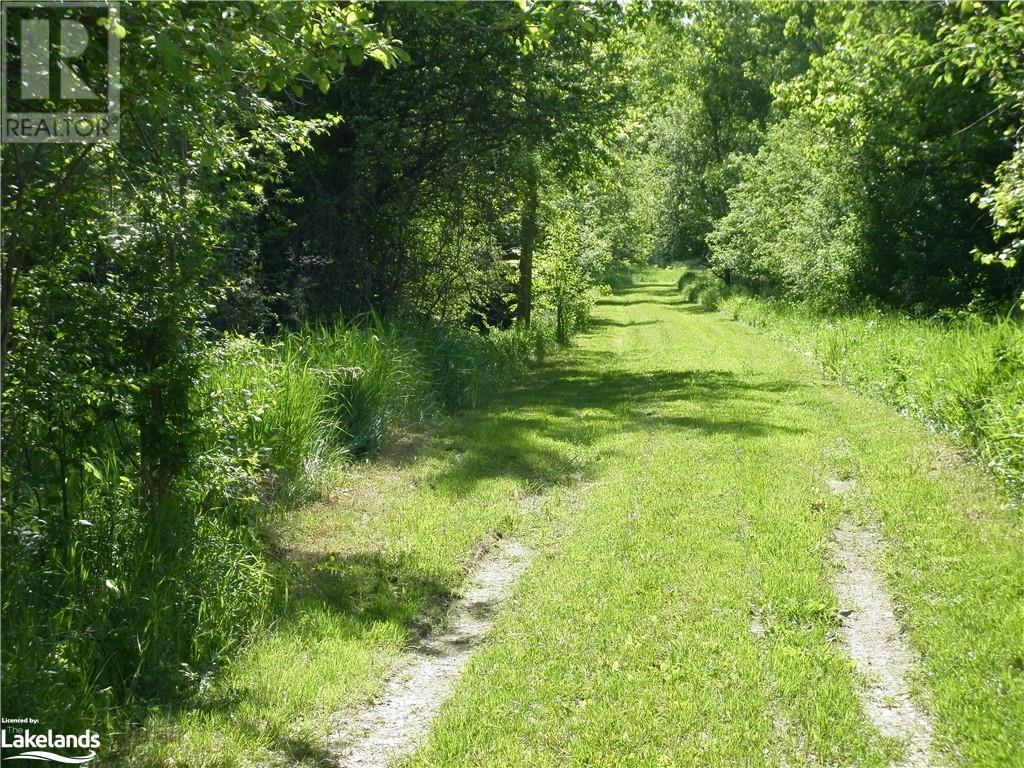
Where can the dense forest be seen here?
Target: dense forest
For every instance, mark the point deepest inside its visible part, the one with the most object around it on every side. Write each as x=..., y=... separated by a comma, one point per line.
x=322, y=220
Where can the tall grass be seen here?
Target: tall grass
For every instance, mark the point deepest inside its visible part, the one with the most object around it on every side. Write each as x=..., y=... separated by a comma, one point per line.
x=963, y=373
x=281, y=412
x=94, y=630
x=701, y=286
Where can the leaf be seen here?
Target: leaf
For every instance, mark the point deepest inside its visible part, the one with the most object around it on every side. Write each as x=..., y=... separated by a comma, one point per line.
x=382, y=56
x=89, y=467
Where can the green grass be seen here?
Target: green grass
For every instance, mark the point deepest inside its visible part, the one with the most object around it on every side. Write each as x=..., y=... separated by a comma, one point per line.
x=680, y=460
x=279, y=413
x=963, y=375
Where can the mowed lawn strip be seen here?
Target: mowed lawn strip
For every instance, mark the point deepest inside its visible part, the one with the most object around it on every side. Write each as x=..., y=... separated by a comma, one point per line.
x=689, y=617
x=954, y=560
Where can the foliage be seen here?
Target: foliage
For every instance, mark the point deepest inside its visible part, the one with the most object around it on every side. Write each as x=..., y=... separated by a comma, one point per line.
x=702, y=286
x=982, y=44
x=571, y=262
x=275, y=417
x=140, y=453
x=861, y=188
x=706, y=73
x=311, y=231
x=796, y=220
x=428, y=218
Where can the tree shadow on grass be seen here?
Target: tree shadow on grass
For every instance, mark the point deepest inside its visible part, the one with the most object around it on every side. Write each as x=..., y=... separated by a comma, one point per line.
x=545, y=424
x=604, y=322
x=361, y=592
x=645, y=289
x=731, y=426
x=369, y=587
x=616, y=302
x=547, y=430
x=304, y=752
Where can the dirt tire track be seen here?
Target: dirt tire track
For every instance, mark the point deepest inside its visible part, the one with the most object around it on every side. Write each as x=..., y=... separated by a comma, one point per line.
x=394, y=725
x=873, y=639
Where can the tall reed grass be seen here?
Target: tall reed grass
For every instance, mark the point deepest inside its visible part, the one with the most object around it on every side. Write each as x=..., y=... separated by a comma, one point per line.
x=93, y=630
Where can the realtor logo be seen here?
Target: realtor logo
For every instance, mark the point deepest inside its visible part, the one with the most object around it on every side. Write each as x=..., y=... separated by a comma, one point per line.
x=60, y=65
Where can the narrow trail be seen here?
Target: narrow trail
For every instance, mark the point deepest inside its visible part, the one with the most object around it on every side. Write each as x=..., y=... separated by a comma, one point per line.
x=717, y=599
x=703, y=590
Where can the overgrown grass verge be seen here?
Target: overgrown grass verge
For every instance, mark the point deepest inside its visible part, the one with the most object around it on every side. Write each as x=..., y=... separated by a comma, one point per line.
x=117, y=614
x=963, y=374
x=368, y=568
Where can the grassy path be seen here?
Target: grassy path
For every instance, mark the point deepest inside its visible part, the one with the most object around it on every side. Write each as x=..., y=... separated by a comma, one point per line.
x=672, y=476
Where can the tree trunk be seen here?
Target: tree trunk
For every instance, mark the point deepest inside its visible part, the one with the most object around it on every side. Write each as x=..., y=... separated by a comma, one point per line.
x=527, y=241
x=7, y=284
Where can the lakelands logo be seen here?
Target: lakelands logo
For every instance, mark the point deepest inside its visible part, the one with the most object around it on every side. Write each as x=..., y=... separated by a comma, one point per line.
x=60, y=79
x=39, y=746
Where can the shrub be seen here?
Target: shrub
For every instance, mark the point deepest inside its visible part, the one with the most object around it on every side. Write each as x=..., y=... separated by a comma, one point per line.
x=96, y=625
x=795, y=222
x=702, y=286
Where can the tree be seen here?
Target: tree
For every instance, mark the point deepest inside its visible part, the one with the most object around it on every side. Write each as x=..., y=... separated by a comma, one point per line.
x=980, y=44
x=708, y=75
x=569, y=98
x=114, y=258
x=496, y=101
